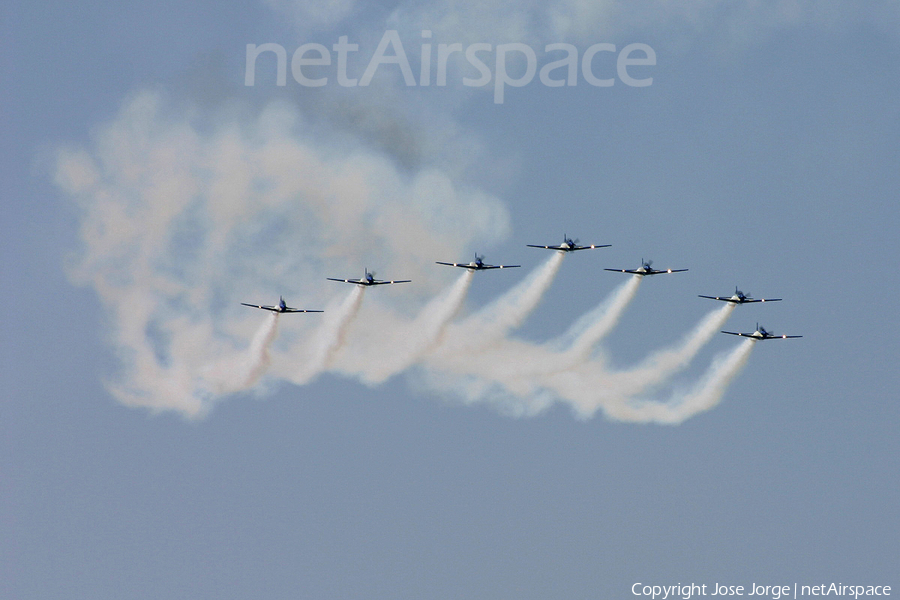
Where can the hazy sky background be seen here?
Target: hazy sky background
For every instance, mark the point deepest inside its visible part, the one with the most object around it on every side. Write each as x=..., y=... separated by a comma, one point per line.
x=148, y=191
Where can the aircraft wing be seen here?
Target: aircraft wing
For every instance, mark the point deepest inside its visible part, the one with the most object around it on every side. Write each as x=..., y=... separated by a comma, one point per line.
x=668, y=271
x=749, y=335
x=272, y=308
x=300, y=310
x=632, y=271
x=591, y=247
x=381, y=282
x=356, y=281
x=720, y=298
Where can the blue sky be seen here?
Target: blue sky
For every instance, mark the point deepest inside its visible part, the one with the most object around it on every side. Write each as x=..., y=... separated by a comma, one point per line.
x=422, y=441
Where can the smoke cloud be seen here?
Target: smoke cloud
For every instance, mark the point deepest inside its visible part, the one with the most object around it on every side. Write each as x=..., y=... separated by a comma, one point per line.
x=184, y=218
x=705, y=395
x=661, y=365
x=522, y=378
x=245, y=372
x=596, y=325
x=411, y=340
x=329, y=339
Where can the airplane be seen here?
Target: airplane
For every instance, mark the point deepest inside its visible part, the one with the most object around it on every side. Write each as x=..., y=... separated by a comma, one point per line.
x=478, y=265
x=740, y=297
x=281, y=308
x=762, y=334
x=570, y=245
x=369, y=279
x=645, y=269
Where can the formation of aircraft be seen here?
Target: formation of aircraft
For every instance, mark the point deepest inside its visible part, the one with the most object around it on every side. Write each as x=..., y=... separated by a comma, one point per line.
x=281, y=307
x=646, y=269
x=570, y=245
x=369, y=279
x=478, y=265
x=740, y=297
x=762, y=334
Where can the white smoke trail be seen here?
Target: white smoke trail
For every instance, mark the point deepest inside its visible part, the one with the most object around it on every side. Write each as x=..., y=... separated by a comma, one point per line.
x=523, y=378
x=242, y=372
x=330, y=337
x=663, y=364
x=492, y=323
x=477, y=352
x=585, y=333
x=215, y=367
x=509, y=310
x=408, y=342
x=522, y=367
x=258, y=353
x=705, y=395
x=586, y=388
